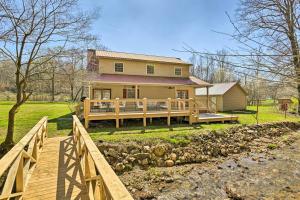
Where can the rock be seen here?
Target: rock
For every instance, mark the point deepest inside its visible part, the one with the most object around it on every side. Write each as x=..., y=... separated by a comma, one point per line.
x=173, y=156
x=169, y=163
x=119, y=167
x=144, y=162
x=169, y=180
x=146, y=148
x=112, y=152
x=130, y=159
x=160, y=162
x=128, y=167
x=141, y=156
x=224, y=152
x=159, y=150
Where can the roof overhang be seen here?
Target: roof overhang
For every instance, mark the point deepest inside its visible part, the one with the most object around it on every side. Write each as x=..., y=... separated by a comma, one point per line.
x=118, y=79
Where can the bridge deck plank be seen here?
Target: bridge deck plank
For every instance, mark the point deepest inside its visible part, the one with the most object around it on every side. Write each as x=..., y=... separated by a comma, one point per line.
x=58, y=174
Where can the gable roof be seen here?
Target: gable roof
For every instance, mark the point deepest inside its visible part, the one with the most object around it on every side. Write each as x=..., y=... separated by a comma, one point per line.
x=143, y=57
x=145, y=80
x=218, y=89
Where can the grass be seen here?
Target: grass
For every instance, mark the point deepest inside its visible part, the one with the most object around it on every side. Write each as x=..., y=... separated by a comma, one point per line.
x=59, y=115
x=177, y=133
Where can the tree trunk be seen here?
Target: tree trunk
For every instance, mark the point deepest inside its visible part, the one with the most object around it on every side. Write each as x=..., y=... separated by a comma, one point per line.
x=52, y=89
x=53, y=85
x=72, y=92
x=9, y=140
x=298, y=87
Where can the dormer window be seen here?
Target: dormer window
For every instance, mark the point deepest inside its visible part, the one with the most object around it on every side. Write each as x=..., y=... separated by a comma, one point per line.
x=150, y=69
x=178, y=71
x=119, y=67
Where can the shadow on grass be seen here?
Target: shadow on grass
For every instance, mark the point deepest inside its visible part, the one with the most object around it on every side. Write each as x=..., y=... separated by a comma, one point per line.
x=240, y=112
x=135, y=127
x=63, y=122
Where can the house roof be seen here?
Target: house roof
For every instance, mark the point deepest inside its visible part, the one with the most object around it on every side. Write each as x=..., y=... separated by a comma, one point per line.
x=217, y=89
x=145, y=80
x=143, y=57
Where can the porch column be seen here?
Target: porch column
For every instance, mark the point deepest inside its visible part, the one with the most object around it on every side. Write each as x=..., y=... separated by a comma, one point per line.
x=207, y=97
x=136, y=91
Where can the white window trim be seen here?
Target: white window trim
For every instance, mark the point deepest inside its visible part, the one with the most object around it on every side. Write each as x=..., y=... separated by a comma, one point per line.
x=115, y=67
x=147, y=69
x=175, y=71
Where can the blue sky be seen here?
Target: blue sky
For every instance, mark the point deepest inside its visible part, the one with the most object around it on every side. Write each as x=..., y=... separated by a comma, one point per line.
x=159, y=26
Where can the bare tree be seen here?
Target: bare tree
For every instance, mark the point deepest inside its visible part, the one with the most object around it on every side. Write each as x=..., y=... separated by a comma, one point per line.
x=27, y=29
x=273, y=25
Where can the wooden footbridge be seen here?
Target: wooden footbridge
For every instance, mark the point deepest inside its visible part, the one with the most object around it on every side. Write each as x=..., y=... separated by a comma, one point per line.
x=58, y=168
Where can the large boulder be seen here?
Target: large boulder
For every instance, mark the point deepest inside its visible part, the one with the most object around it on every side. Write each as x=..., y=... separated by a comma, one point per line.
x=160, y=150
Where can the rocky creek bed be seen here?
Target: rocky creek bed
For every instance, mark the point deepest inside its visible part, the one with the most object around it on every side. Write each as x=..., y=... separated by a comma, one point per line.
x=246, y=162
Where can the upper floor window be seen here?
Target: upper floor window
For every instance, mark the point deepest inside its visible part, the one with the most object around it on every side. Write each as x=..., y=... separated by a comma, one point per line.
x=150, y=69
x=119, y=67
x=178, y=71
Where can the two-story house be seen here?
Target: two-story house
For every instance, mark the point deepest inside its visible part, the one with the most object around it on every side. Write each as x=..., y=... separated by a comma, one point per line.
x=138, y=76
x=126, y=85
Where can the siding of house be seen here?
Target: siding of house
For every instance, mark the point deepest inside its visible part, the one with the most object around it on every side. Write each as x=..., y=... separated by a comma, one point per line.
x=151, y=92
x=234, y=99
x=131, y=67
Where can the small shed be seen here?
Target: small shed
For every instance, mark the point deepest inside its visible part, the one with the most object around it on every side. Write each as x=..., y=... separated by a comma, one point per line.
x=225, y=96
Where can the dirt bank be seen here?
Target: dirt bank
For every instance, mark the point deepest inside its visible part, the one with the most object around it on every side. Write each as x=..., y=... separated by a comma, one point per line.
x=274, y=174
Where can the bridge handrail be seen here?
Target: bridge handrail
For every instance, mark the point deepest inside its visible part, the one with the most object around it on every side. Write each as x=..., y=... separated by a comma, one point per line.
x=101, y=180
x=18, y=164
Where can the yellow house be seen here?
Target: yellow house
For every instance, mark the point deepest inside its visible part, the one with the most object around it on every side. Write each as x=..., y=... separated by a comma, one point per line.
x=127, y=85
x=134, y=76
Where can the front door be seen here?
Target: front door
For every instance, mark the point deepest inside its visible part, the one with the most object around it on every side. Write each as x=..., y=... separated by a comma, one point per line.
x=182, y=94
x=102, y=94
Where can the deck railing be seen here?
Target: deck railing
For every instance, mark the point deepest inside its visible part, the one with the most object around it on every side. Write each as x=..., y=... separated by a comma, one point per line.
x=18, y=164
x=101, y=181
x=136, y=108
x=116, y=106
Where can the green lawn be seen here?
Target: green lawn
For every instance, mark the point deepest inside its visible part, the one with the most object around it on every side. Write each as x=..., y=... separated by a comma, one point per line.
x=177, y=132
x=59, y=115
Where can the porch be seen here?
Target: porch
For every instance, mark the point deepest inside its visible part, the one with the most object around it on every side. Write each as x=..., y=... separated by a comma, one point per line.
x=120, y=109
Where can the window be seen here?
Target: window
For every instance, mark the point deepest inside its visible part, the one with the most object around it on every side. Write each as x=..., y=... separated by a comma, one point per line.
x=130, y=93
x=150, y=69
x=102, y=94
x=182, y=94
x=119, y=67
x=177, y=71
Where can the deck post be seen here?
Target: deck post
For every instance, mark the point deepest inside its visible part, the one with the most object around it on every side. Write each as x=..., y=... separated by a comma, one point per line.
x=117, y=111
x=207, y=98
x=145, y=112
x=90, y=90
x=191, y=111
x=178, y=104
x=169, y=112
x=86, y=109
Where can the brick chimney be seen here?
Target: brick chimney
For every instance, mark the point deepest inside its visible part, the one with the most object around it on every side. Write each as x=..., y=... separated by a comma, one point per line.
x=92, y=61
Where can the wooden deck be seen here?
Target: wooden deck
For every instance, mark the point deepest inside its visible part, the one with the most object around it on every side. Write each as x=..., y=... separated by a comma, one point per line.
x=120, y=109
x=58, y=174
x=212, y=117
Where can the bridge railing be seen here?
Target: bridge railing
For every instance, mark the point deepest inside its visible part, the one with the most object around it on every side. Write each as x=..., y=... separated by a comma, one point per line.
x=101, y=180
x=18, y=164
